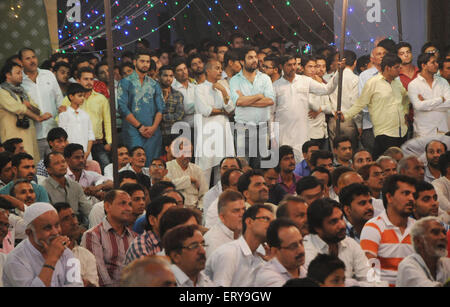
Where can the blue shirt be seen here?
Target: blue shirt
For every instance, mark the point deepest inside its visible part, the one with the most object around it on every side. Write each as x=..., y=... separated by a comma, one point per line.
x=302, y=169
x=41, y=193
x=261, y=85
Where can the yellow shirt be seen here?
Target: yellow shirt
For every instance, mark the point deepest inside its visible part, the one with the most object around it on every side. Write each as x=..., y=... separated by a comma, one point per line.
x=388, y=104
x=97, y=106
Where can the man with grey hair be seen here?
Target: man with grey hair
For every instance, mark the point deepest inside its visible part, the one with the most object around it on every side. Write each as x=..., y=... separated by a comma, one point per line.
x=411, y=166
x=151, y=271
x=388, y=165
x=42, y=260
x=428, y=266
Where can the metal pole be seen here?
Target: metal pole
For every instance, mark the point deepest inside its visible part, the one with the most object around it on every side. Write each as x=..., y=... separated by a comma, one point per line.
x=341, y=70
x=112, y=98
x=399, y=18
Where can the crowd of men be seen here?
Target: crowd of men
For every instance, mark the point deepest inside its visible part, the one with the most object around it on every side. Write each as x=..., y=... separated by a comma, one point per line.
x=197, y=204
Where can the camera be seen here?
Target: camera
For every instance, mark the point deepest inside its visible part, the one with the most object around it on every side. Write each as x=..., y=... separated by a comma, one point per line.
x=23, y=123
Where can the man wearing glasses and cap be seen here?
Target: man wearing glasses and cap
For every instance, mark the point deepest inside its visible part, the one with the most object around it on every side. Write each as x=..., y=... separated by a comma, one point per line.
x=42, y=260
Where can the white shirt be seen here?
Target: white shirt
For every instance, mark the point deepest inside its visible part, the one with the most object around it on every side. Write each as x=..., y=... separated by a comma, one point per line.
x=2, y=262
x=212, y=214
x=233, y=264
x=184, y=281
x=274, y=274
x=189, y=100
x=182, y=180
x=317, y=127
x=220, y=144
x=210, y=197
x=88, y=264
x=291, y=107
x=378, y=206
x=47, y=94
x=430, y=115
x=356, y=262
x=442, y=187
x=145, y=170
x=78, y=126
x=413, y=272
x=97, y=214
x=349, y=91
x=217, y=236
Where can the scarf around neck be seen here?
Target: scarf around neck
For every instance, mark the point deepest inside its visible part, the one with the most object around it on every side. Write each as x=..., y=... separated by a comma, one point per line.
x=15, y=91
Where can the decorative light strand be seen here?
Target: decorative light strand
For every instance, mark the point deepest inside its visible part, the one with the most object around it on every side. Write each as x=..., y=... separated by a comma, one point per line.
x=287, y=24
x=260, y=31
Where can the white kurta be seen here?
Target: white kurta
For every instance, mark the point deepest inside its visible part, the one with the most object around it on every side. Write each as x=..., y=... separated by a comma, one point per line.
x=214, y=136
x=291, y=107
x=318, y=126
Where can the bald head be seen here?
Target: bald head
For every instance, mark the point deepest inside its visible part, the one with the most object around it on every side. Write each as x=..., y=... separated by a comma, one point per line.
x=348, y=178
x=377, y=55
x=213, y=71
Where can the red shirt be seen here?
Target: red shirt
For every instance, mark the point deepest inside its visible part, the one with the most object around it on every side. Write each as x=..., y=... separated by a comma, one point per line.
x=407, y=80
x=100, y=87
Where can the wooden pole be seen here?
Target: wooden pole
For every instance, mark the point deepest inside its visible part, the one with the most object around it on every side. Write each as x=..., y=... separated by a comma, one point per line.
x=341, y=70
x=112, y=97
x=399, y=18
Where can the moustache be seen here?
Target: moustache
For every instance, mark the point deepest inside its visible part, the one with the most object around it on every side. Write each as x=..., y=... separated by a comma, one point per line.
x=300, y=256
x=202, y=257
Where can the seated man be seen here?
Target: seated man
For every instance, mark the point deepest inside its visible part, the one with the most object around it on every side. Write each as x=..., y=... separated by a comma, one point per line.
x=276, y=192
x=231, y=208
x=187, y=177
x=70, y=228
x=149, y=243
x=310, y=189
x=324, y=176
x=94, y=184
x=428, y=266
x=427, y=203
x=294, y=208
x=23, y=168
x=185, y=246
x=254, y=188
x=322, y=158
x=303, y=169
x=373, y=178
x=42, y=260
x=411, y=166
x=328, y=236
x=109, y=241
x=137, y=194
x=233, y=264
x=442, y=184
x=6, y=241
x=137, y=162
x=6, y=173
x=14, y=146
x=357, y=207
x=361, y=158
x=97, y=213
x=388, y=165
x=57, y=140
x=158, y=171
x=286, y=166
x=286, y=243
x=342, y=148
x=62, y=189
x=123, y=159
x=228, y=181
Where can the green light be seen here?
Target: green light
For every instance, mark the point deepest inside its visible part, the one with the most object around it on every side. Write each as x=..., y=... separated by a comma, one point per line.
x=288, y=3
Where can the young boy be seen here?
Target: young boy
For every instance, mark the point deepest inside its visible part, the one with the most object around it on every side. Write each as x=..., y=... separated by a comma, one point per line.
x=327, y=271
x=76, y=122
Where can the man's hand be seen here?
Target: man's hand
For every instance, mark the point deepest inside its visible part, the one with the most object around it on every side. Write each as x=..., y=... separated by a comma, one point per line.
x=360, y=132
x=55, y=250
x=149, y=132
x=313, y=114
x=107, y=147
x=90, y=191
x=240, y=93
x=62, y=109
x=45, y=117
x=268, y=255
x=421, y=97
x=340, y=115
x=220, y=87
x=195, y=182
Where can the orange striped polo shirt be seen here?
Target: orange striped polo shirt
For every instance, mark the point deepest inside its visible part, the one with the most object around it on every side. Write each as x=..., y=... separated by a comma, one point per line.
x=384, y=240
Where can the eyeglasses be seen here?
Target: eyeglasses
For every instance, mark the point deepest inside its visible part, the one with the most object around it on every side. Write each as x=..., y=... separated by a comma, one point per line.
x=267, y=67
x=432, y=51
x=293, y=246
x=264, y=218
x=195, y=246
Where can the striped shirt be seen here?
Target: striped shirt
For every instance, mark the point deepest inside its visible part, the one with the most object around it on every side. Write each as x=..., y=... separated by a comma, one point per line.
x=146, y=244
x=383, y=240
x=109, y=249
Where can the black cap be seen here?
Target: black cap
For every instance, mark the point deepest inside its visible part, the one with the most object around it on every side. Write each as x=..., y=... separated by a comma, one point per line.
x=75, y=88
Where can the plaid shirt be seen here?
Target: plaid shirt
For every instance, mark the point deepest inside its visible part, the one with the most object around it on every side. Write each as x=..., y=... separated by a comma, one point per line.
x=173, y=111
x=146, y=244
x=109, y=249
x=41, y=170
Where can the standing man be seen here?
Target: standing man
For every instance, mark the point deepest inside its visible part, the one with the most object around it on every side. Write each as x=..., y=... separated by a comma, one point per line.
x=173, y=102
x=252, y=94
x=430, y=96
x=408, y=72
x=141, y=104
x=291, y=108
x=388, y=104
x=213, y=106
x=271, y=67
x=197, y=67
x=44, y=90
